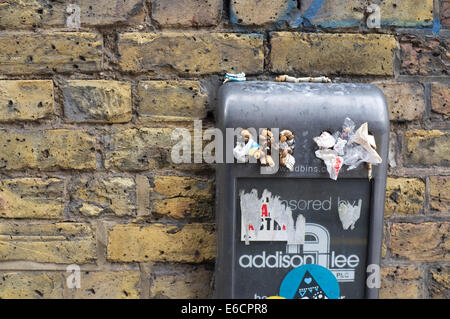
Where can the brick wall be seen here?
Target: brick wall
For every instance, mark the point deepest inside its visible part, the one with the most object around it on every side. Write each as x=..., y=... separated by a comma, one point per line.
x=86, y=115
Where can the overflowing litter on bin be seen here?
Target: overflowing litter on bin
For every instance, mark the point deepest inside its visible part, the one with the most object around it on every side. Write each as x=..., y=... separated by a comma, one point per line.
x=347, y=147
x=234, y=77
x=248, y=147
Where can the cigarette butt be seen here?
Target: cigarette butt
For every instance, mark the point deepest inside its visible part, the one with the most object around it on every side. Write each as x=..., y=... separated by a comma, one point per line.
x=270, y=161
x=283, y=139
x=263, y=159
x=245, y=133
x=286, y=132
x=281, y=78
x=257, y=154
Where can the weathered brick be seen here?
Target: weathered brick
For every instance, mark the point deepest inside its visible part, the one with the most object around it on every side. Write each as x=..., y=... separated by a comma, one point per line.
x=404, y=196
x=26, y=100
x=350, y=13
x=47, y=150
x=191, y=53
x=193, y=243
x=406, y=101
x=445, y=13
x=182, y=197
x=440, y=99
x=42, y=13
x=424, y=55
x=181, y=282
x=47, y=52
x=259, y=12
x=171, y=100
x=426, y=241
x=182, y=186
x=334, y=14
x=440, y=193
x=63, y=243
x=439, y=285
x=400, y=283
x=423, y=148
x=319, y=54
x=106, y=285
x=31, y=285
x=97, y=101
x=137, y=149
x=184, y=13
x=182, y=207
x=31, y=198
x=407, y=13
x=103, y=195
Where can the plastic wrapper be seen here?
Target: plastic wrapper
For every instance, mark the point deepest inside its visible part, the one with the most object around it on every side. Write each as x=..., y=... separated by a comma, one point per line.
x=348, y=129
x=234, y=77
x=339, y=147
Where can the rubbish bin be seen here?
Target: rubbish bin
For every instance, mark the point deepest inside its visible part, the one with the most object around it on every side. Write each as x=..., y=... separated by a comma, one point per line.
x=332, y=260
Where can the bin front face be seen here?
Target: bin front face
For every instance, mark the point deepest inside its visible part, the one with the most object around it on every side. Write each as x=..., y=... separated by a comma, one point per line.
x=259, y=262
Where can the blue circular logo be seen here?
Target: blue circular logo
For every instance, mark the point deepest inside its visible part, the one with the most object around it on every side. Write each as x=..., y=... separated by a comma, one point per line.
x=309, y=282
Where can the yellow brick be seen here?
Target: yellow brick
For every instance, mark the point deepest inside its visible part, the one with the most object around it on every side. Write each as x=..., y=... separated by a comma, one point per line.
x=182, y=282
x=193, y=243
x=400, y=283
x=404, y=196
x=406, y=101
x=31, y=198
x=171, y=100
x=426, y=241
x=40, y=13
x=63, y=243
x=47, y=150
x=259, y=12
x=407, y=12
x=97, y=101
x=176, y=186
x=111, y=195
x=440, y=193
x=137, y=149
x=47, y=52
x=26, y=100
x=26, y=285
x=106, y=285
x=322, y=54
x=423, y=147
x=191, y=53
